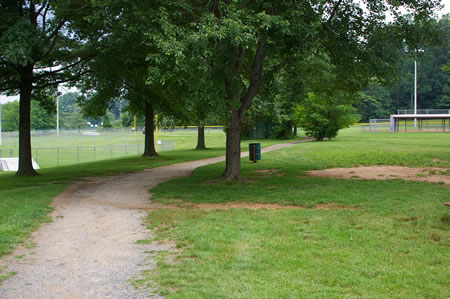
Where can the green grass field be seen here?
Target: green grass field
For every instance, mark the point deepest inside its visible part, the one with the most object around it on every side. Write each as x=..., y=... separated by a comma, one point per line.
x=24, y=201
x=394, y=243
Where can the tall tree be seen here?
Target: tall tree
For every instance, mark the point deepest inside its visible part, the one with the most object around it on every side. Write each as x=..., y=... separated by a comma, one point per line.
x=121, y=68
x=198, y=105
x=41, y=118
x=38, y=50
x=10, y=116
x=374, y=102
x=75, y=119
x=277, y=101
x=241, y=44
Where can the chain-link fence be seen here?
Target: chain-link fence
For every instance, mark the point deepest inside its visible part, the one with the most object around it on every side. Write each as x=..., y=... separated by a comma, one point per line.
x=190, y=129
x=407, y=125
x=424, y=111
x=435, y=125
x=377, y=125
x=85, y=145
x=67, y=155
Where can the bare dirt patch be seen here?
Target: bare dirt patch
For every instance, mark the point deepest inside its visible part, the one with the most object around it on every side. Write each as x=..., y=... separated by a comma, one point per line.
x=271, y=172
x=272, y=187
x=331, y=206
x=427, y=174
x=267, y=170
x=212, y=182
x=440, y=161
x=254, y=206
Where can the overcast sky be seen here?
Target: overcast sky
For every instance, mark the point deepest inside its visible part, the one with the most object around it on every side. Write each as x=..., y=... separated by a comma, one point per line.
x=4, y=99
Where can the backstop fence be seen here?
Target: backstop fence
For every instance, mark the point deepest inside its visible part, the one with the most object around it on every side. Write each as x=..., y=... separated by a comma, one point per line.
x=424, y=111
x=425, y=120
x=376, y=125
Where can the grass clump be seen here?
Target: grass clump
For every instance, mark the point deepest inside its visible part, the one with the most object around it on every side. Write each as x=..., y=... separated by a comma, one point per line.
x=6, y=276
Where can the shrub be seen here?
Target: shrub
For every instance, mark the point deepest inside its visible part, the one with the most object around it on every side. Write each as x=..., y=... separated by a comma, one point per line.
x=322, y=116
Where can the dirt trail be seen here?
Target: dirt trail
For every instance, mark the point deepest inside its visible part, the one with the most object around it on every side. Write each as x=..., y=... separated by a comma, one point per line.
x=90, y=249
x=256, y=206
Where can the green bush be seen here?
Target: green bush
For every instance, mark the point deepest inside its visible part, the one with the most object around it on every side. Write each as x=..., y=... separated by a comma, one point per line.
x=107, y=121
x=322, y=116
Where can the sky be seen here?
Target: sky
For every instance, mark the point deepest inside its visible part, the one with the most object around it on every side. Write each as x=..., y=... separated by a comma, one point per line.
x=5, y=99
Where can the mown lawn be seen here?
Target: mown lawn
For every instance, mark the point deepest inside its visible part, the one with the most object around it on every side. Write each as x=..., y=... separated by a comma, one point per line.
x=393, y=243
x=24, y=201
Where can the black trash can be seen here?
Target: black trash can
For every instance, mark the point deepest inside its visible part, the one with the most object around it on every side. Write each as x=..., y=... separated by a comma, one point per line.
x=254, y=152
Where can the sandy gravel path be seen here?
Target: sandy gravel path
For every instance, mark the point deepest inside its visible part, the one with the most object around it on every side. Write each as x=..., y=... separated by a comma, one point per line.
x=90, y=249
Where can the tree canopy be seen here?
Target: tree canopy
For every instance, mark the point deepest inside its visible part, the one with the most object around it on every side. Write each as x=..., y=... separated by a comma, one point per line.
x=121, y=68
x=178, y=55
x=38, y=51
x=241, y=45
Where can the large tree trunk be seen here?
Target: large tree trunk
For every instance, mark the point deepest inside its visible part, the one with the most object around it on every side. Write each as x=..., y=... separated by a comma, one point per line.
x=233, y=148
x=234, y=131
x=149, y=150
x=295, y=129
x=26, y=88
x=201, y=138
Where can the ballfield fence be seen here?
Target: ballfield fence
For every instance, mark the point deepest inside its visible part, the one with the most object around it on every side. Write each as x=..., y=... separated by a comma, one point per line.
x=85, y=145
x=426, y=120
x=423, y=125
x=376, y=125
x=190, y=129
x=424, y=111
x=409, y=125
x=68, y=155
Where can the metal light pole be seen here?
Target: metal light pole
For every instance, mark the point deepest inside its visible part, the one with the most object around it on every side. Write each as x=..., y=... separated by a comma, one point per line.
x=415, y=89
x=57, y=116
x=415, y=83
x=0, y=124
x=156, y=131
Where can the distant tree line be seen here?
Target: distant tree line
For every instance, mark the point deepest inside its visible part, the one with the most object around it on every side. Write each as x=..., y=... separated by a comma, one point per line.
x=433, y=89
x=41, y=119
x=71, y=116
